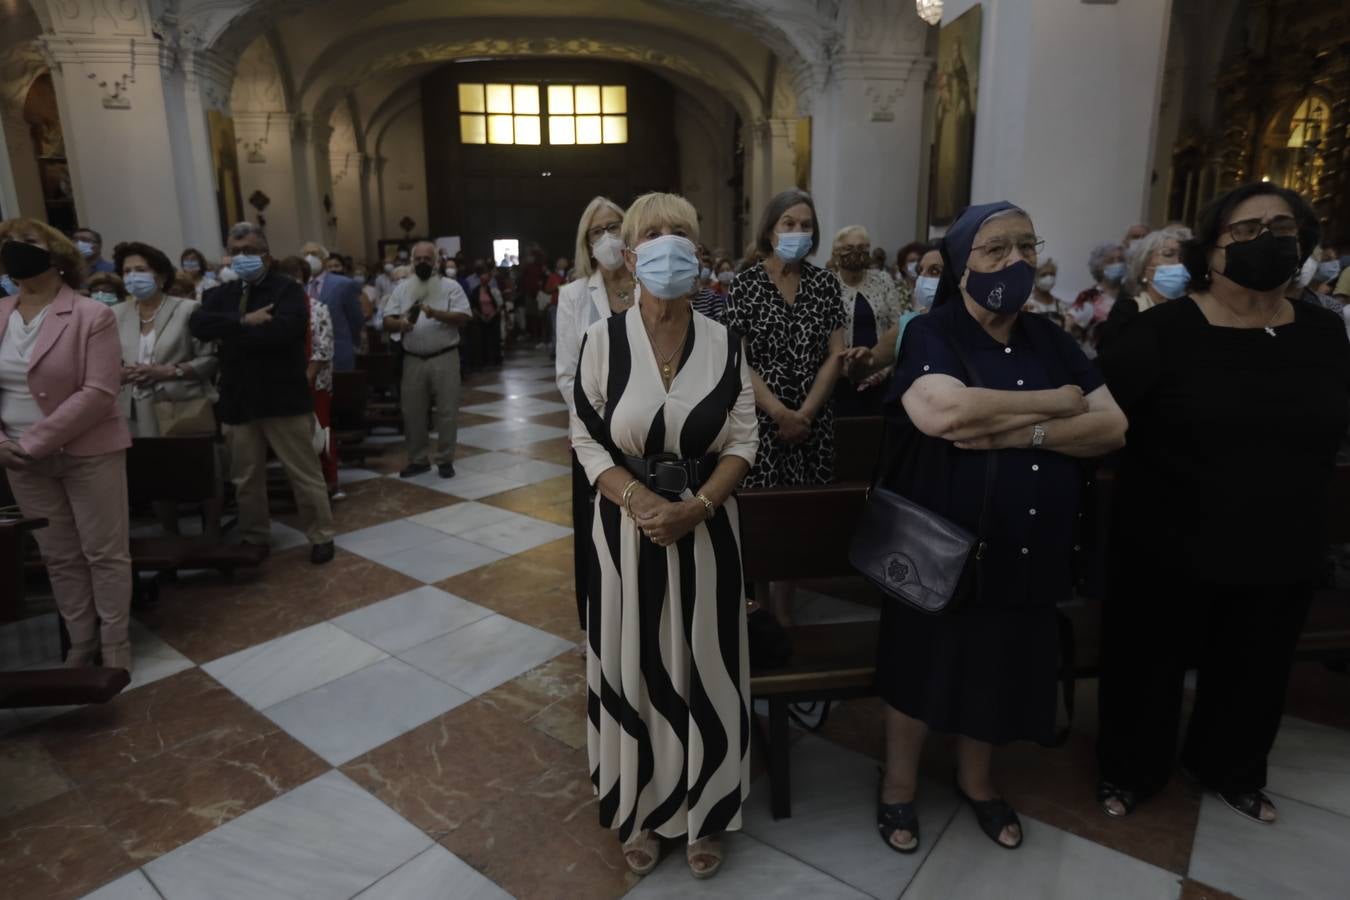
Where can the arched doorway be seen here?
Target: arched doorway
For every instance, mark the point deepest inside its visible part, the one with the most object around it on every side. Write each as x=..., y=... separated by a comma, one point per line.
x=49, y=148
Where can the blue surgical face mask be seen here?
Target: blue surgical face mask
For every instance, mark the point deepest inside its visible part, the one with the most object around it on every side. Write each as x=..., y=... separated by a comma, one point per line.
x=1172, y=280
x=104, y=297
x=925, y=289
x=1003, y=291
x=141, y=285
x=8, y=286
x=793, y=246
x=191, y=265
x=912, y=268
x=705, y=274
x=667, y=266
x=86, y=249
x=1328, y=270
x=1114, y=273
x=247, y=266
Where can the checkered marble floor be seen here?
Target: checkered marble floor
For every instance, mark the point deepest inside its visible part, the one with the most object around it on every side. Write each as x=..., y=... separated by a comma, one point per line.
x=408, y=722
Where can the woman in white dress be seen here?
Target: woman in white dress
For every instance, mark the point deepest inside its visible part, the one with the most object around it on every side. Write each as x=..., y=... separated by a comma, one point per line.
x=664, y=425
x=603, y=287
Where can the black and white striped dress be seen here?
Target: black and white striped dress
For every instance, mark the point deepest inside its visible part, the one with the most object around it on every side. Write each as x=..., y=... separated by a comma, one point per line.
x=667, y=671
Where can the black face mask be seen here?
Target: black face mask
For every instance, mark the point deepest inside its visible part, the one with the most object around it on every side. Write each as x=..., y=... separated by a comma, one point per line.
x=424, y=270
x=1263, y=263
x=855, y=260
x=24, y=260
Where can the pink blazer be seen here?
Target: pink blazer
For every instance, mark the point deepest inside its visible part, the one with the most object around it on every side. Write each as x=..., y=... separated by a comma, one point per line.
x=75, y=376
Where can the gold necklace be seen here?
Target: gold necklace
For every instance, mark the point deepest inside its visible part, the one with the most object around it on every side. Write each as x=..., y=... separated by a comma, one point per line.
x=667, y=373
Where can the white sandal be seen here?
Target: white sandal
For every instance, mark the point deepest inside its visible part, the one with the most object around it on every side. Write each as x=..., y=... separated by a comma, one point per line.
x=706, y=848
x=643, y=844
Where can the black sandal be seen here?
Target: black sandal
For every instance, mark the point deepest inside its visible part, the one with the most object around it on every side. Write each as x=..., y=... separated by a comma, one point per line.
x=1249, y=804
x=893, y=817
x=1108, y=791
x=994, y=816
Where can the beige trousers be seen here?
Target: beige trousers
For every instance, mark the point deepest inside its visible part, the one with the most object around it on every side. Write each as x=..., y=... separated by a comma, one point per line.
x=85, y=543
x=289, y=438
x=424, y=381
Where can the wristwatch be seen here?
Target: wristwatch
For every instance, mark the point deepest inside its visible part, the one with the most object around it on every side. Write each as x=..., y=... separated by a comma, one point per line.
x=1037, y=435
x=178, y=372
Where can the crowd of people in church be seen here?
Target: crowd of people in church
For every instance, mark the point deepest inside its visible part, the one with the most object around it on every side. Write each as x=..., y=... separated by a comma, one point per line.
x=1197, y=360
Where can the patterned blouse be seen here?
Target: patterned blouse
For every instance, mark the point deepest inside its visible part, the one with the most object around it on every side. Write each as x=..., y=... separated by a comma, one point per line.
x=321, y=344
x=886, y=299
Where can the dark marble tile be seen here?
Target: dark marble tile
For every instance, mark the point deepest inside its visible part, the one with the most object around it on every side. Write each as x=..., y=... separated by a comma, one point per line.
x=1194, y=890
x=534, y=587
x=443, y=773
x=555, y=450
x=162, y=803
x=28, y=773
x=208, y=618
x=57, y=850
x=550, y=500
x=379, y=500
x=468, y=396
x=550, y=698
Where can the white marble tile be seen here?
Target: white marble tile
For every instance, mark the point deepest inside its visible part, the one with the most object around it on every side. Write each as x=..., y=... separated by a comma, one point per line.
x=131, y=886
x=446, y=557
x=1051, y=864
x=1311, y=763
x=517, y=406
x=478, y=657
x=833, y=823
x=358, y=712
x=533, y=472
x=487, y=463
x=355, y=476
x=152, y=659
x=1301, y=857
x=388, y=539
x=750, y=870
x=505, y=435
x=410, y=619
x=519, y=387
x=284, y=537
x=516, y=535
x=326, y=838
x=461, y=517
x=474, y=485
x=435, y=874
x=292, y=664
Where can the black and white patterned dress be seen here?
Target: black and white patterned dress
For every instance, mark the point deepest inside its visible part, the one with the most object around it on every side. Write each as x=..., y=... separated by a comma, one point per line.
x=667, y=669
x=787, y=344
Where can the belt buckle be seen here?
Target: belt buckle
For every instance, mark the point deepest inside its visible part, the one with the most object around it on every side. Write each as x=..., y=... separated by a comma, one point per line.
x=670, y=460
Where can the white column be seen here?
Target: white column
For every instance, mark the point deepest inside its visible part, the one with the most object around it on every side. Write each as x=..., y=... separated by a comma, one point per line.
x=1066, y=115
x=867, y=146
x=349, y=205
x=267, y=164
x=197, y=85
x=772, y=164
x=308, y=200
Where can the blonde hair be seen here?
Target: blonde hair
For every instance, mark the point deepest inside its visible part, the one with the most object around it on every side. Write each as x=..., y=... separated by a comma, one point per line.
x=65, y=257
x=849, y=231
x=583, y=266
x=659, y=210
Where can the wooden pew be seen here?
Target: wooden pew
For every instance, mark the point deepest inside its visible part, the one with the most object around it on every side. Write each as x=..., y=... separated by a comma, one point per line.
x=351, y=400
x=803, y=533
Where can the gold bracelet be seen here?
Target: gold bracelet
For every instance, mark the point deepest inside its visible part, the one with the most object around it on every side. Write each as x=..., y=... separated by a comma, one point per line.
x=627, y=499
x=707, y=505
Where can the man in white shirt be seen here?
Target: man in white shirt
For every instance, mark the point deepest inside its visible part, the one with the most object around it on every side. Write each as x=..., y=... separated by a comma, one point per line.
x=426, y=313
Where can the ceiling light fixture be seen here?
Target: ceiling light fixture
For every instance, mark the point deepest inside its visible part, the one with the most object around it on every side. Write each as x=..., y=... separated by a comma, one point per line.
x=929, y=10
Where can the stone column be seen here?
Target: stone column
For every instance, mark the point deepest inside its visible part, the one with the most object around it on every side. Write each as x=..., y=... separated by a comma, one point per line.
x=771, y=158
x=349, y=206
x=267, y=164
x=308, y=201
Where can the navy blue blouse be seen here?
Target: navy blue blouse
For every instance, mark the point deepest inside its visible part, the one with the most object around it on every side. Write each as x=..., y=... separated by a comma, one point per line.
x=1035, y=496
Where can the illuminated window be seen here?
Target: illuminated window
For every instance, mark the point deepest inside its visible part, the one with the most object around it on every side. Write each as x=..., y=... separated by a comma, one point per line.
x=499, y=114
x=511, y=114
x=587, y=114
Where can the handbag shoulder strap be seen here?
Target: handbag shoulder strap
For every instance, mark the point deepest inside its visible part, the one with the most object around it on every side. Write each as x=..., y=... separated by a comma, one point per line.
x=991, y=456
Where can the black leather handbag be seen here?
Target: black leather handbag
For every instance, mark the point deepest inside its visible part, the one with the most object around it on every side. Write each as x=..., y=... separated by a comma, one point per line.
x=912, y=554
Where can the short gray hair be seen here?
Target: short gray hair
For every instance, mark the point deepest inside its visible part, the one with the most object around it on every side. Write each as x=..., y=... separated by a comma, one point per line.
x=1097, y=259
x=243, y=230
x=1141, y=251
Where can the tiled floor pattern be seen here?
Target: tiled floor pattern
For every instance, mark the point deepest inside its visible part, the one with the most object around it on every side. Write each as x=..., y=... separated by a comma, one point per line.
x=408, y=722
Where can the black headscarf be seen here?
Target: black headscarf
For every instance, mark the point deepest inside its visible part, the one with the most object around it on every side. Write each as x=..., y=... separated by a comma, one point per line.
x=955, y=246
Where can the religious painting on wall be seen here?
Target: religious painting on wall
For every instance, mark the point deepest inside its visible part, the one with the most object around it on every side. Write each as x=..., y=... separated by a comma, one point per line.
x=957, y=88
x=802, y=157
x=224, y=156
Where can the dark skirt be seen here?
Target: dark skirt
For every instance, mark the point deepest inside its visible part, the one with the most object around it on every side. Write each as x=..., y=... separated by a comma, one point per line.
x=582, y=511
x=987, y=674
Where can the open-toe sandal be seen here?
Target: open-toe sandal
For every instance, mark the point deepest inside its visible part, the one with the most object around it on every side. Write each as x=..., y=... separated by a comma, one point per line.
x=642, y=853
x=994, y=816
x=708, y=850
x=1108, y=791
x=1248, y=804
x=896, y=817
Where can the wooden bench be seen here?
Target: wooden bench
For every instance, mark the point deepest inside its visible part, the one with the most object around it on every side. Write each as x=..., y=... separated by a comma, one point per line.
x=351, y=401
x=803, y=533
x=381, y=408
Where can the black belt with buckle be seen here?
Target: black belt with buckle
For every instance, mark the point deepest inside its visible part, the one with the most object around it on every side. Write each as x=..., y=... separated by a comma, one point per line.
x=430, y=355
x=667, y=473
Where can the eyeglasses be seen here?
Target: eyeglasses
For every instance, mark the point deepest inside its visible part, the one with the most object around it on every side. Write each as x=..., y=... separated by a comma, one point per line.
x=999, y=248
x=1248, y=229
x=597, y=232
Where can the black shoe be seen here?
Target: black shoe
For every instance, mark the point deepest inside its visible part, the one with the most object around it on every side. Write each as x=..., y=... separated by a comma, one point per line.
x=412, y=469
x=446, y=470
x=322, y=553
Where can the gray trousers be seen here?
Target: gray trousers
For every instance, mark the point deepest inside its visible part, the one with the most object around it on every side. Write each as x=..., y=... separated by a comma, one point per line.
x=428, y=381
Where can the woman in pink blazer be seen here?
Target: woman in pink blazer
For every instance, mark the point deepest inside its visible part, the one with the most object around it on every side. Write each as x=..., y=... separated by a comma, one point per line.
x=63, y=439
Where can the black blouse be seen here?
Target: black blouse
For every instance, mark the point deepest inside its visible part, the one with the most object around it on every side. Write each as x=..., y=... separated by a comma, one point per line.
x=1233, y=435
